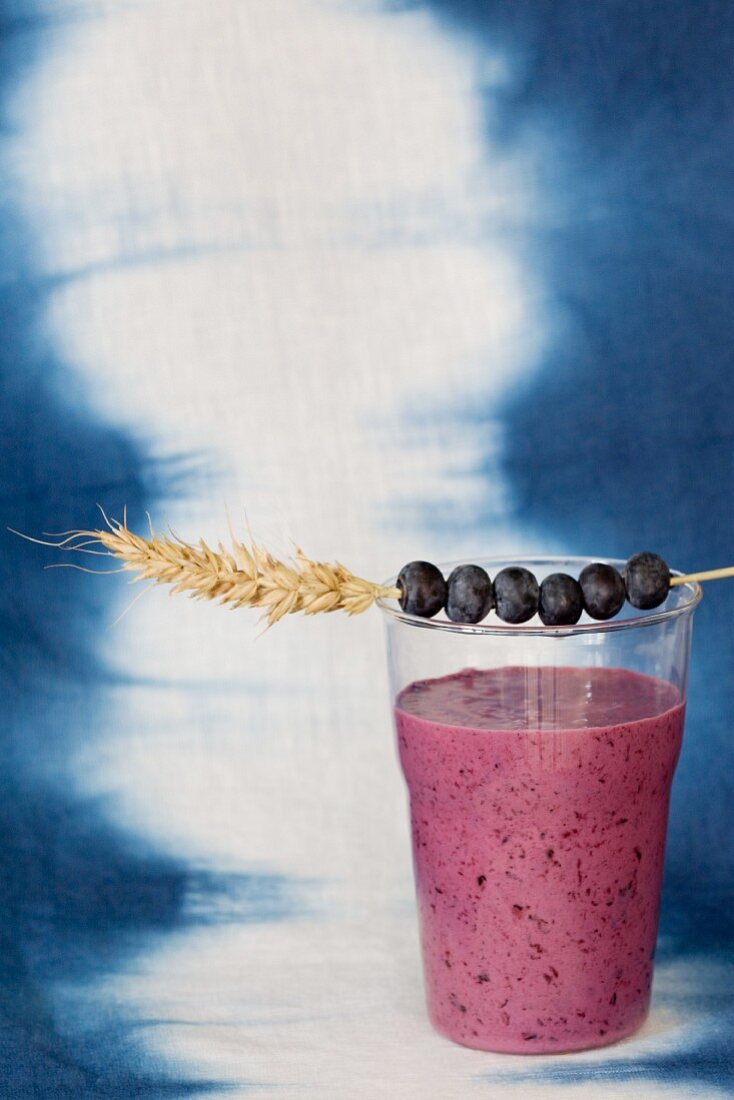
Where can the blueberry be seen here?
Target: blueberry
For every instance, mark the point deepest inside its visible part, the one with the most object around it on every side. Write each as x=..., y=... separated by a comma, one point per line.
x=647, y=579
x=561, y=600
x=423, y=589
x=516, y=594
x=470, y=594
x=603, y=590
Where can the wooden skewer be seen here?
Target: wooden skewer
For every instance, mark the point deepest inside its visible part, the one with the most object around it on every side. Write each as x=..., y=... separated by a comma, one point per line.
x=709, y=575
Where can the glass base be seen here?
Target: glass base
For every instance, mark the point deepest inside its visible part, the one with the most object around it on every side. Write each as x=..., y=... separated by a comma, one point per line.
x=497, y=1043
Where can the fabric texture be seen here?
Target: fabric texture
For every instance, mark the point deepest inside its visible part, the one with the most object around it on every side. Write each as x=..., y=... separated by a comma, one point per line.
x=430, y=279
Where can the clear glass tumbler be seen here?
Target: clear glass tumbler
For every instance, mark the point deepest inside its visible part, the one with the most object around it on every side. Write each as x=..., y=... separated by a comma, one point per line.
x=539, y=762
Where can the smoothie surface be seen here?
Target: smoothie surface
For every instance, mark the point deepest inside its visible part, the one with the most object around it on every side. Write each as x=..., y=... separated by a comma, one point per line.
x=544, y=698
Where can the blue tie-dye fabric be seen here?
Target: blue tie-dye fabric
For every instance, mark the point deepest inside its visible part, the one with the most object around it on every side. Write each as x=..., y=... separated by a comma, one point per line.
x=621, y=437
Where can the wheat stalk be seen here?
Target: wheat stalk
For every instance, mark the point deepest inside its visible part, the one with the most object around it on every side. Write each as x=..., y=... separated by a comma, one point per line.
x=238, y=577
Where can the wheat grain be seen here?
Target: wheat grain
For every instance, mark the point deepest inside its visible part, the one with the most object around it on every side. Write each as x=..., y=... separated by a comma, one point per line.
x=238, y=577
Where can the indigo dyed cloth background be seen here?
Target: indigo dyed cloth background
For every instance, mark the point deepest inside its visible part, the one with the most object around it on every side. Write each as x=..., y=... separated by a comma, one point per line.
x=434, y=278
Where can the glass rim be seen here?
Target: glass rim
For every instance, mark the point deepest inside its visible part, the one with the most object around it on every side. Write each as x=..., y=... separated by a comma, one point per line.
x=498, y=628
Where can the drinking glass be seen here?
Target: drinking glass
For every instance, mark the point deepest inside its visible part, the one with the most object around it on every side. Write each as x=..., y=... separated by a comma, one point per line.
x=538, y=762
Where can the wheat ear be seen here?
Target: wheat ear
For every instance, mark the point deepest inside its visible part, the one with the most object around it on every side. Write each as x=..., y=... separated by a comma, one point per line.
x=238, y=577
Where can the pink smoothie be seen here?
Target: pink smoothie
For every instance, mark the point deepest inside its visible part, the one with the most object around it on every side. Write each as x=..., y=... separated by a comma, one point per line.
x=538, y=839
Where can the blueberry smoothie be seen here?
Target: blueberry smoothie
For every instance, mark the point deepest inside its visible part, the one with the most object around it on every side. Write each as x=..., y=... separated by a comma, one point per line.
x=539, y=805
